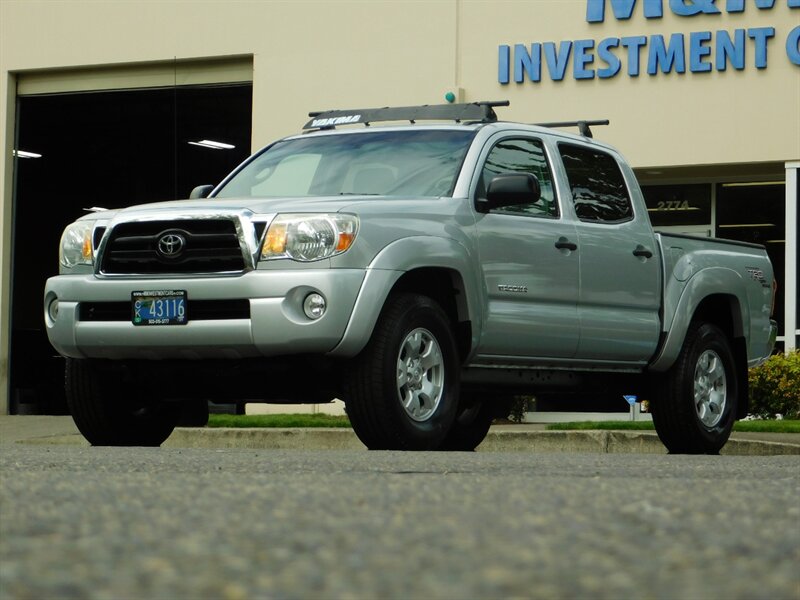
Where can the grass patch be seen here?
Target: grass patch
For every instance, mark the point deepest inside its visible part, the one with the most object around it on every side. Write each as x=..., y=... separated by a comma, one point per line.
x=784, y=426
x=287, y=420
x=342, y=422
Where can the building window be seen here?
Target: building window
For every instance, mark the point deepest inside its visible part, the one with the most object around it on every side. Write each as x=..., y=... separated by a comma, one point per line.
x=678, y=205
x=755, y=212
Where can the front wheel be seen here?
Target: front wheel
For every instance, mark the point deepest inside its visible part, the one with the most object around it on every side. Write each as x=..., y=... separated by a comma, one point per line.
x=402, y=390
x=110, y=412
x=696, y=404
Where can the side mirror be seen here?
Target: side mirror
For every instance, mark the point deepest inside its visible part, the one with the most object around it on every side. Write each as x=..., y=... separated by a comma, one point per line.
x=510, y=189
x=201, y=191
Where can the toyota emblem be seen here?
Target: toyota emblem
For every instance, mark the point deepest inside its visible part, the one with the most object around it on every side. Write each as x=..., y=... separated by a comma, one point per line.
x=171, y=245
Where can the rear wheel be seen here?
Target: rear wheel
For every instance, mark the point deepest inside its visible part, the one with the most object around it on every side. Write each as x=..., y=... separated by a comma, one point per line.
x=696, y=404
x=402, y=390
x=475, y=416
x=110, y=412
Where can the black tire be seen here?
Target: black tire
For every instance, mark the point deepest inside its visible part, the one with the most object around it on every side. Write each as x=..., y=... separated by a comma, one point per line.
x=695, y=404
x=109, y=412
x=194, y=412
x=473, y=420
x=402, y=390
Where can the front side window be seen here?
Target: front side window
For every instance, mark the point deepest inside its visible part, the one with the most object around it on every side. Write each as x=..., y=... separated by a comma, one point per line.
x=598, y=188
x=521, y=156
x=394, y=163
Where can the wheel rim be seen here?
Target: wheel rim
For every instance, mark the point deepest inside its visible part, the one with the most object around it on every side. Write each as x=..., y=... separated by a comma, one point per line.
x=420, y=374
x=710, y=389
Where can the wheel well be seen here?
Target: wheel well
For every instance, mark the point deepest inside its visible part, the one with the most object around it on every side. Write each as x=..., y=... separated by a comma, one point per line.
x=446, y=287
x=725, y=312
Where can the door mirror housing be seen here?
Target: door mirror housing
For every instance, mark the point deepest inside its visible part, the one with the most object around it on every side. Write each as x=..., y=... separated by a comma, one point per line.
x=201, y=191
x=510, y=189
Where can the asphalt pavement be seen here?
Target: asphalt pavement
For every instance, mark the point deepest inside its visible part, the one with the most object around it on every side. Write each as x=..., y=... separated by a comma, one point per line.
x=177, y=523
x=51, y=430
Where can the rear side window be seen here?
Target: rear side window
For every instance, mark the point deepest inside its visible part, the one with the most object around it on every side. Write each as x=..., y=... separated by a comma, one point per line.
x=598, y=188
x=522, y=156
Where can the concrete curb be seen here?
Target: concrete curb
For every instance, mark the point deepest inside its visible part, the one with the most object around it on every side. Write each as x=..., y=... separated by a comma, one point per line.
x=503, y=440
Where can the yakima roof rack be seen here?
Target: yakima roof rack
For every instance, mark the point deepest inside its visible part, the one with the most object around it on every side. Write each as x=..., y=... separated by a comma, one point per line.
x=480, y=112
x=583, y=126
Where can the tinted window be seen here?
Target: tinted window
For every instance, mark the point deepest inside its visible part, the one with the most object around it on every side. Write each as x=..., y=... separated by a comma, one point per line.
x=598, y=188
x=522, y=156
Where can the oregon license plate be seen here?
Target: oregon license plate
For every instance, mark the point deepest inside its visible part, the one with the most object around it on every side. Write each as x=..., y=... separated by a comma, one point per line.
x=159, y=307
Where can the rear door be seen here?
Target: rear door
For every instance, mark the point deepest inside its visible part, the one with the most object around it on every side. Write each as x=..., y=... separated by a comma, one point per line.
x=620, y=289
x=530, y=274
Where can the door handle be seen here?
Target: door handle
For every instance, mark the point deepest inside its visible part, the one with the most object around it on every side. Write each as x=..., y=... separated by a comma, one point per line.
x=643, y=252
x=564, y=244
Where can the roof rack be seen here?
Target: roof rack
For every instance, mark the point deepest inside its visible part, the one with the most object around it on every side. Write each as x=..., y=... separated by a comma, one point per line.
x=481, y=112
x=583, y=126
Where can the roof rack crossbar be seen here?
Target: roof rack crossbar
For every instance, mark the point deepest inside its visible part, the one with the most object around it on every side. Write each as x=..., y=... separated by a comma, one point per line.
x=583, y=126
x=481, y=112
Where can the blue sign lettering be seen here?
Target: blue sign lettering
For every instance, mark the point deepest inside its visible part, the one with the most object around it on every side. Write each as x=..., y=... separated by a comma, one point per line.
x=557, y=60
x=527, y=63
x=761, y=35
x=654, y=9
x=705, y=51
x=582, y=58
x=623, y=9
x=666, y=57
x=503, y=57
x=738, y=5
x=793, y=46
x=698, y=51
x=730, y=51
x=633, y=44
x=605, y=54
x=690, y=8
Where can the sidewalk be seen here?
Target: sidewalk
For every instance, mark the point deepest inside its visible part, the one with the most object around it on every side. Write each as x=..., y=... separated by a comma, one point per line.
x=36, y=429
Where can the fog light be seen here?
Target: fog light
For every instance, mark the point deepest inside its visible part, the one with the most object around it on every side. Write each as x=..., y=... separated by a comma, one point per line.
x=52, y=309
x=314, y=306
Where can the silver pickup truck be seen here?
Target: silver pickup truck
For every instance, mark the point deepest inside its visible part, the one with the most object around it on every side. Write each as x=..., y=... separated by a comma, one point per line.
x=424, y=273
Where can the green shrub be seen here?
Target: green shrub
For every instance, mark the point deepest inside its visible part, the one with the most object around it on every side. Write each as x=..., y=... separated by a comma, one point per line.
x=775, y=387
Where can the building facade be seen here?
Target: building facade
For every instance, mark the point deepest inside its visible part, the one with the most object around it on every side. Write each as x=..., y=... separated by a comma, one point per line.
x=109, y=103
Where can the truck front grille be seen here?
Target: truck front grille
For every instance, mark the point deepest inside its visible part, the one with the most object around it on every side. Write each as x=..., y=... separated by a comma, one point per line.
x=181, y=246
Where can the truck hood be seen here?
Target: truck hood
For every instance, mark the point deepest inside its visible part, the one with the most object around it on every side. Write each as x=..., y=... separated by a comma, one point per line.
x=326, y=204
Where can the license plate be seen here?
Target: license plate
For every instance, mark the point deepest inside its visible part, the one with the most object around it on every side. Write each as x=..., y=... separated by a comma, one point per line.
x=159, y=307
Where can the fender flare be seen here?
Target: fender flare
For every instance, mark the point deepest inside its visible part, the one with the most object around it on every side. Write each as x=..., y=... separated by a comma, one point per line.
x=703, y=284
x=386, y=269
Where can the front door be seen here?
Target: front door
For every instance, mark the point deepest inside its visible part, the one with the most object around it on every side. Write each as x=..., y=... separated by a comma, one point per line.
x=530, y=273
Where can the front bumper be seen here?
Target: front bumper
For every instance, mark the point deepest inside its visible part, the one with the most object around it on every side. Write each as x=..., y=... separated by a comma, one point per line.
x=276, y=325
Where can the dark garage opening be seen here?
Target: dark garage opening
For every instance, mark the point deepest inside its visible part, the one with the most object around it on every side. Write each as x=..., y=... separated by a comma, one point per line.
x=102, y=149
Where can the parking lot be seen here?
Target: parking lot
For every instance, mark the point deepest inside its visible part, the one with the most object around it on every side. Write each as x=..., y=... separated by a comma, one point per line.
x=237, y=523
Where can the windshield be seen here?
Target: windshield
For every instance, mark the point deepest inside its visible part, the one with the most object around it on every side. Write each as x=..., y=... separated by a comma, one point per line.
x=401, y=163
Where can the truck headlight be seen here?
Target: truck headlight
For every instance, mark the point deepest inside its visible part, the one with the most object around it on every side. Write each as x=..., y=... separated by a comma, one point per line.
x=307, y=238
x=76, y=244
